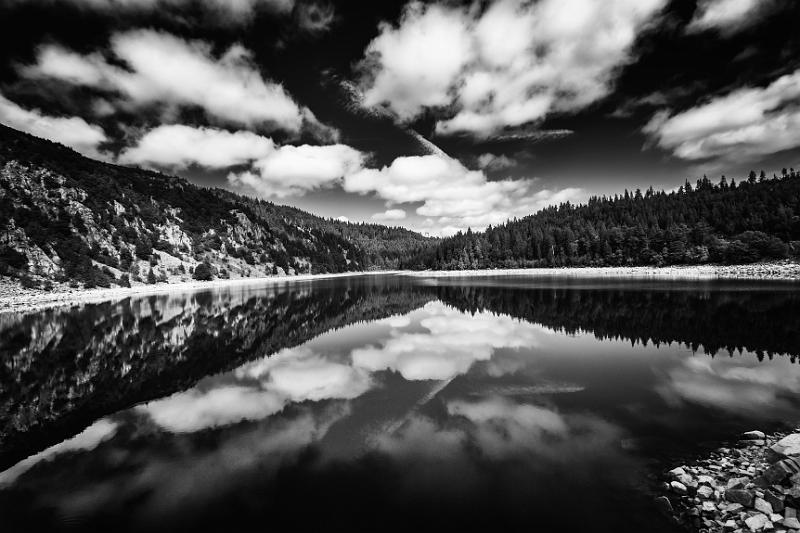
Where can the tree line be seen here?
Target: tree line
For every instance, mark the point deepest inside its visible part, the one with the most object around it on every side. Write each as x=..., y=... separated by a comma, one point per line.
x=726, y=222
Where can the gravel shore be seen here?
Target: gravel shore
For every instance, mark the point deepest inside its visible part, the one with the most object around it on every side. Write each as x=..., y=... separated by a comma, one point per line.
x=752, y=487
x=782, y=270
x=15, y=298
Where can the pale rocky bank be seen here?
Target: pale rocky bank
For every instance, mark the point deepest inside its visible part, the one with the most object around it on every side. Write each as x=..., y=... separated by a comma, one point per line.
x=752, y=486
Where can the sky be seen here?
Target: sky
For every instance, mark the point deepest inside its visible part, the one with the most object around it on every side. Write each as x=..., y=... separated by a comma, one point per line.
x=436, y=116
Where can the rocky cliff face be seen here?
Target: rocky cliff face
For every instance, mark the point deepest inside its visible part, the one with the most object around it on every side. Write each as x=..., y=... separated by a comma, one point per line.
x=66, y=218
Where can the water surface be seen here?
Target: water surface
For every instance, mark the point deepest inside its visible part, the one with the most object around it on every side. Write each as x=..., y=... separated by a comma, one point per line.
x=385, y=402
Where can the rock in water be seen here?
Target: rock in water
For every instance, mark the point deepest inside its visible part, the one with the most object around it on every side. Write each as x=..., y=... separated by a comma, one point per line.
x=740, y=496
x=677, y=472
x=664, y=505
x=678, y=487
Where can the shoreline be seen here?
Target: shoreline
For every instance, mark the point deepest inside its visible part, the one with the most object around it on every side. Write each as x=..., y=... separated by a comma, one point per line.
x=25, y=300
x=15, y=299
x=776, y=271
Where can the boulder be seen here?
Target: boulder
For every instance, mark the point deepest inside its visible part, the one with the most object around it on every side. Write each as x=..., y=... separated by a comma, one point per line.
x=786, y=447
x=781, y=470
x=677, y=472
x=678, y=487
x=758, y=522
x=664, y=505
x=737, y=483
x=705, y=492
x=705, y=480
x=791, y=523
x=740, y=496
x=761, y=505
x=709, y=507
x=753, y=435
x=774, y=500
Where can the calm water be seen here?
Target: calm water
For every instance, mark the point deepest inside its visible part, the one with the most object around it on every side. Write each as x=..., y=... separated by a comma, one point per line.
x=384, y=403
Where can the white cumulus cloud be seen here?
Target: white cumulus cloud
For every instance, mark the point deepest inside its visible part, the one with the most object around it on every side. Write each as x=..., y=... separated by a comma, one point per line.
x=745, y=123
x=74, y=132
x=448, y=344
x=453, y=197
x=179, y=146
x=511, y=64
x=390, y=214
x=727, y=15
x=165, y=70
x=295, y=170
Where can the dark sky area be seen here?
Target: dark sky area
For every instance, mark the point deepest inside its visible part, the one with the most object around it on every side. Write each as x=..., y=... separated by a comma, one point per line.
x=436, y=116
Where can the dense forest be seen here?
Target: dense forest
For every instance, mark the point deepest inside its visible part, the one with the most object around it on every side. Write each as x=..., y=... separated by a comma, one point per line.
x=67, y=218
x=756, y=219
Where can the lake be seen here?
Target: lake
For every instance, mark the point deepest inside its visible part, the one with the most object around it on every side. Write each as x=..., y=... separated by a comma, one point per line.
x=385, y=402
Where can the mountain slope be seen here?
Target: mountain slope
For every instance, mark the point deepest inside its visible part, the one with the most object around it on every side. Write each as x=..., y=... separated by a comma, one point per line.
x=755, y=220
x=64, y=217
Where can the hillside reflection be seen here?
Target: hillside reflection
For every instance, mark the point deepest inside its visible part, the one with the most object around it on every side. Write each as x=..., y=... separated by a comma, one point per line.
x=62, y=368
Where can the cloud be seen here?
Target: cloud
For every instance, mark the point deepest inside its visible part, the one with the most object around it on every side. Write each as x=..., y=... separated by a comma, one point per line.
x=262, y=388
x=741, y=386
x=727, y=15
x=74, y=132
x=746, y=123
x=447, y=345
x=218, y=11
x=164, y=70
x=495, y=162
x=390, y=214
x=452, y=196
x=511, y=64
x=414, y=65
x=299, y=374
x=295, y=170
x=195, y=410
x=88, y=439
x=178, y=146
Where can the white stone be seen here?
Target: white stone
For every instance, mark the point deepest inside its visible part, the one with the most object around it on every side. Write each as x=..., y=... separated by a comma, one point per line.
x=678, y=487
x=677, y=471
x=763, y=506
x=757, y=522
x=705, y=492
x=788, y=446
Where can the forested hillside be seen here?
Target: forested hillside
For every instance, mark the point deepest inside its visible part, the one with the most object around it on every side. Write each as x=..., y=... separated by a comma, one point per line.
x=756, y=219
x=67, y=218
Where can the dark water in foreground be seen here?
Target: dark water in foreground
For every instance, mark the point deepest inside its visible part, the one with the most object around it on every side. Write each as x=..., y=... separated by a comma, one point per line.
x=384, y=403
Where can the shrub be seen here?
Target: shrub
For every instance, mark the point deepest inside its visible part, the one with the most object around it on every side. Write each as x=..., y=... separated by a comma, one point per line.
x=9, y=257
x=203, y=272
